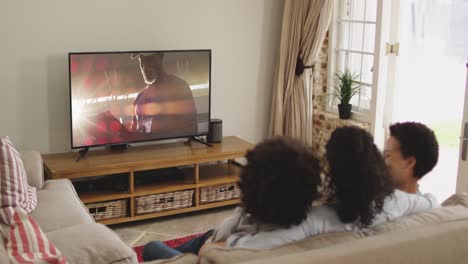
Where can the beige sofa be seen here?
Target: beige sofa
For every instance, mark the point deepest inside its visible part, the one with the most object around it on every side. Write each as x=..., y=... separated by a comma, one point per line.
x=435, y=236
x=66, y=221
x=447, y=243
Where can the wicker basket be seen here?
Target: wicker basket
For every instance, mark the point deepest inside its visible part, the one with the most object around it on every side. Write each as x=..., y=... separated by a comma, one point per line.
x=163, y=202
x=216, y=193
x=107, y=210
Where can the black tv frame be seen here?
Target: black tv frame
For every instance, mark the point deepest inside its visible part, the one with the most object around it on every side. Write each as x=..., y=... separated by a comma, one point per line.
x=136, y=141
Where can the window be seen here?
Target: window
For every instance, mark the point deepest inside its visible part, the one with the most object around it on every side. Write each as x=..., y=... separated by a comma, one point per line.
x=352, y=46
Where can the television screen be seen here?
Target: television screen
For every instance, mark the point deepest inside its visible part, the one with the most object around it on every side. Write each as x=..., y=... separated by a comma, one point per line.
x=124, y=97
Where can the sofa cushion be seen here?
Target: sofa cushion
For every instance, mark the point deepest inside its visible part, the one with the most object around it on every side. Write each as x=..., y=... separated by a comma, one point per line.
x=59, y=206
x=34, y=168
x=212, y=254
x=25, y=242
x=434, y=243
x=14, y=188
x=457, y=199
x=92, y=243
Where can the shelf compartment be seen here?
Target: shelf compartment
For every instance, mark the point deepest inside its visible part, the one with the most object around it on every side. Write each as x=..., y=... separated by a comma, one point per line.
x=217, y=193
x=93, y=197
x=164, y=202
x=218, y=174
x=147, y=184
x=102, y=188
x=109, y=209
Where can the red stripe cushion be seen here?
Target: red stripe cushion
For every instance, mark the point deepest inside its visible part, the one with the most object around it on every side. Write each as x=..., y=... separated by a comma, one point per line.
x=14, y=188
x=25, y=241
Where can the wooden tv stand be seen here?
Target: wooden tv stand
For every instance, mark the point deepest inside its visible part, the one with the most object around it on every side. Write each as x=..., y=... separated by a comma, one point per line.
x=203, y=166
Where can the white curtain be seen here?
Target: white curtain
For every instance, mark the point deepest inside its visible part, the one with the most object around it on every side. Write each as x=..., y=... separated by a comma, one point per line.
x=305, y=24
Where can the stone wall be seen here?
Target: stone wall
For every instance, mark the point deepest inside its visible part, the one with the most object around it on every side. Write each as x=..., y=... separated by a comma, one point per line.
x=324, y=123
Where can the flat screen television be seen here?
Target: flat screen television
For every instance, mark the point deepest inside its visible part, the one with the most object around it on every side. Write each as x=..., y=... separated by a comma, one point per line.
x=135, y=96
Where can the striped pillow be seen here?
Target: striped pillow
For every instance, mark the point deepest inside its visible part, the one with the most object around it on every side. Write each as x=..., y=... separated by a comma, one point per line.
x=26, y=243
x=14, y=188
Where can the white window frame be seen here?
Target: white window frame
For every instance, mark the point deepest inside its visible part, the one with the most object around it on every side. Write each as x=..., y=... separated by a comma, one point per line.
x=332, y=49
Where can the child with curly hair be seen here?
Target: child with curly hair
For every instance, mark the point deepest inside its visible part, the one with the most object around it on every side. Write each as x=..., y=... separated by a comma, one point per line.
x=278, y=185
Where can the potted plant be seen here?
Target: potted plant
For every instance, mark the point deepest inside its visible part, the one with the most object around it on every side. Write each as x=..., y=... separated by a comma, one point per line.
x=345, y=88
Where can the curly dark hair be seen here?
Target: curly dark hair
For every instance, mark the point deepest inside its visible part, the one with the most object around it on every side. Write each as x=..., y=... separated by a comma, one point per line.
x=279, y=182
x=358, y=178
x=418, y=141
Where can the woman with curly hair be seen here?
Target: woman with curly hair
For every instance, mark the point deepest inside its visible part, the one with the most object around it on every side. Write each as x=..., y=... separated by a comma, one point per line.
x=359, y=181
x=361, y=193
x=278, y=185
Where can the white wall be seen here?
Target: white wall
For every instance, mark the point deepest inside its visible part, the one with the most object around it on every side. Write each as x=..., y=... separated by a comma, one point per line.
x=35, y=37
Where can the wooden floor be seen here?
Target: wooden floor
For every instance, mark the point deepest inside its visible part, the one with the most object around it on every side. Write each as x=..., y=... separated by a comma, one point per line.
x=171, y=227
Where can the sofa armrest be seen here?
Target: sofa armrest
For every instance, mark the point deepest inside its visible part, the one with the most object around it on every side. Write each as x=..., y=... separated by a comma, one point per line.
x=34, y=168
x=92, y=243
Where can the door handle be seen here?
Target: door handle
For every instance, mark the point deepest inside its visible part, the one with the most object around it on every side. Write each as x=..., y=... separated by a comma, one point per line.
x=464, y=140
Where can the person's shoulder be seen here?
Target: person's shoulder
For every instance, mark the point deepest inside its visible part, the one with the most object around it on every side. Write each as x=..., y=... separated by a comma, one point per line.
x=139, y=94
x=399, y=196
x=394, y=199
x=431, y=197
x=176, y=80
